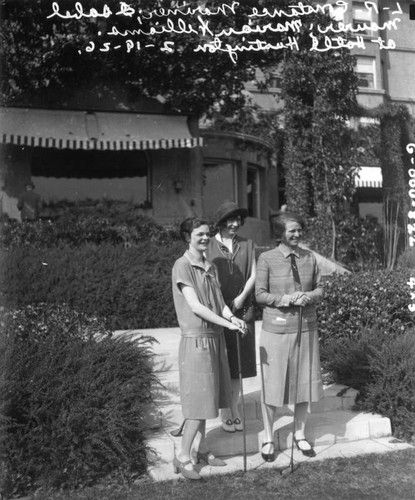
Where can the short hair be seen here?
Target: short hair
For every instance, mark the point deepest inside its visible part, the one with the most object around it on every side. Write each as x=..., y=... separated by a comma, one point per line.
x=279, y=223
x=187, y=226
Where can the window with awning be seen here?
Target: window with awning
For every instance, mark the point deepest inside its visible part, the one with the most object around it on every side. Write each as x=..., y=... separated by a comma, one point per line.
x=77, y=174
x=97, y=130
x=369, y=177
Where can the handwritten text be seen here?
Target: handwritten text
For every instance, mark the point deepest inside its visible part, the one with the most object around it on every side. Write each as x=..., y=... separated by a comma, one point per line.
x=149, y=29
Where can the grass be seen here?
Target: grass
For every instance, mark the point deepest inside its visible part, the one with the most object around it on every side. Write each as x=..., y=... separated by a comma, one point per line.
x=389, y=476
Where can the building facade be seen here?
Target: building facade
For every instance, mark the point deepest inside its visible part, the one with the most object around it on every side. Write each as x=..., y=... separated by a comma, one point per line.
x=162, y=162
x=385, y=66
x=170, y=166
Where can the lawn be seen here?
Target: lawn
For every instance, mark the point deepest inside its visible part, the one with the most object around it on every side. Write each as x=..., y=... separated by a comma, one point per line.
x=388, y=476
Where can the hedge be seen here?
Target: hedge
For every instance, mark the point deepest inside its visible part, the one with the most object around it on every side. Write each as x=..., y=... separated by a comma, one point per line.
x=361, y=300
x=89, y=228
x=367, y=339
x=129, y=287
x=73, y=400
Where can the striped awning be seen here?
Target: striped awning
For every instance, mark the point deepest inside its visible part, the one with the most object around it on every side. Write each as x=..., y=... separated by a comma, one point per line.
x=98, y=130
x=369, y=177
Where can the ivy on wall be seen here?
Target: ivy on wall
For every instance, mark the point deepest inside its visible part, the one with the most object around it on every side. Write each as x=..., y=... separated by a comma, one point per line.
x=320, y=157
x=394, y=126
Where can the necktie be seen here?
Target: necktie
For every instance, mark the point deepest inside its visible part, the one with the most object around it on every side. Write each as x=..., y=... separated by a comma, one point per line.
x=297, y=281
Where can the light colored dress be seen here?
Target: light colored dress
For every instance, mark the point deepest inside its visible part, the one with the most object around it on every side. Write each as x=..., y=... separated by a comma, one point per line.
x=278, y=340
x=205, y=383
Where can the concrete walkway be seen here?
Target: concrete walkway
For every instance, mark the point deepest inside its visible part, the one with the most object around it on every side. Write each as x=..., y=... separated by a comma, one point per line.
x=335, y=429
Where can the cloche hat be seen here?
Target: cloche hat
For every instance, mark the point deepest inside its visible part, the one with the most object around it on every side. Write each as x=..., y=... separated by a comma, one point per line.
x=227, y=210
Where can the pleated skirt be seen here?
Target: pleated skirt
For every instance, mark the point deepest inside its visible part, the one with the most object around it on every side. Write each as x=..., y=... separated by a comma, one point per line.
x=205, y=382
x=278, y=356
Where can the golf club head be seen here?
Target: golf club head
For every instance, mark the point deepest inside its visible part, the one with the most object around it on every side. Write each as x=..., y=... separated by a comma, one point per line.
x=287, y=471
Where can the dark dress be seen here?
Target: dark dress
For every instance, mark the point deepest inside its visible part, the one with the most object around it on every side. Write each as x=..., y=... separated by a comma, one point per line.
x=234, y=269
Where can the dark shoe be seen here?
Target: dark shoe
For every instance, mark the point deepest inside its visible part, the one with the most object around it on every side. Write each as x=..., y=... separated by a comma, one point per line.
x=187, y=473
x=209, y=459
x=268, y=457
x=308, y=453
x=228, y=426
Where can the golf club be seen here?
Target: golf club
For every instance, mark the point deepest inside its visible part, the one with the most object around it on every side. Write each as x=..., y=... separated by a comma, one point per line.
x=238, y=346
x=290, y=469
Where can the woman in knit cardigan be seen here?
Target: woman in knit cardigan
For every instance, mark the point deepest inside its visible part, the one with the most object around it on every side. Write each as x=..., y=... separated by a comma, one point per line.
x=283, y=290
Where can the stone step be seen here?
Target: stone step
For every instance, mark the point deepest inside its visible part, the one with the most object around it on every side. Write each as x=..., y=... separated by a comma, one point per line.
x=322, y=429
x=329, y=429
x=331, y=424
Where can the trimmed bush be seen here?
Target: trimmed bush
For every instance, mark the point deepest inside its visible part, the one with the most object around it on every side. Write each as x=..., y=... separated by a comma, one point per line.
x=130, y=287
x=73, y=400
x=127, y=286
x=353, y=302
x=118, y=211
x=367, y=339
x=78, y=224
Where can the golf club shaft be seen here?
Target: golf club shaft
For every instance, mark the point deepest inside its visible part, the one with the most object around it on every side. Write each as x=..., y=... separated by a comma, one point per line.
x=298, y=341
x=238, y=348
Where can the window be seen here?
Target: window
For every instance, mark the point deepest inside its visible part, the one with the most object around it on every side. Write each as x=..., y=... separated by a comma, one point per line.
x=275, y=81
x=362, y=15
x=76, y=175
x=365, y=69
x=253, y=191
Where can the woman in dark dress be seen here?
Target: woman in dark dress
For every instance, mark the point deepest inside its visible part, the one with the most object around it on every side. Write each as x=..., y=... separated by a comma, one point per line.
x=234, y=258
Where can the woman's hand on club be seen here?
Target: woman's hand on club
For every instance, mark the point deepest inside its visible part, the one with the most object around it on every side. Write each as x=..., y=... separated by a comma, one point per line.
x=302, y=300
x=238, y=325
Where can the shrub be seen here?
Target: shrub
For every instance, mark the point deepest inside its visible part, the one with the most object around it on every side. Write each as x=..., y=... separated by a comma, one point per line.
x=118, y=211
x=367, y=342
x=359, y=241
x=380, y=363
x=73, y=400
x=353, y=302
x=391, y=390
x=79, y=224
x=407, y=259
x=130, y=287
